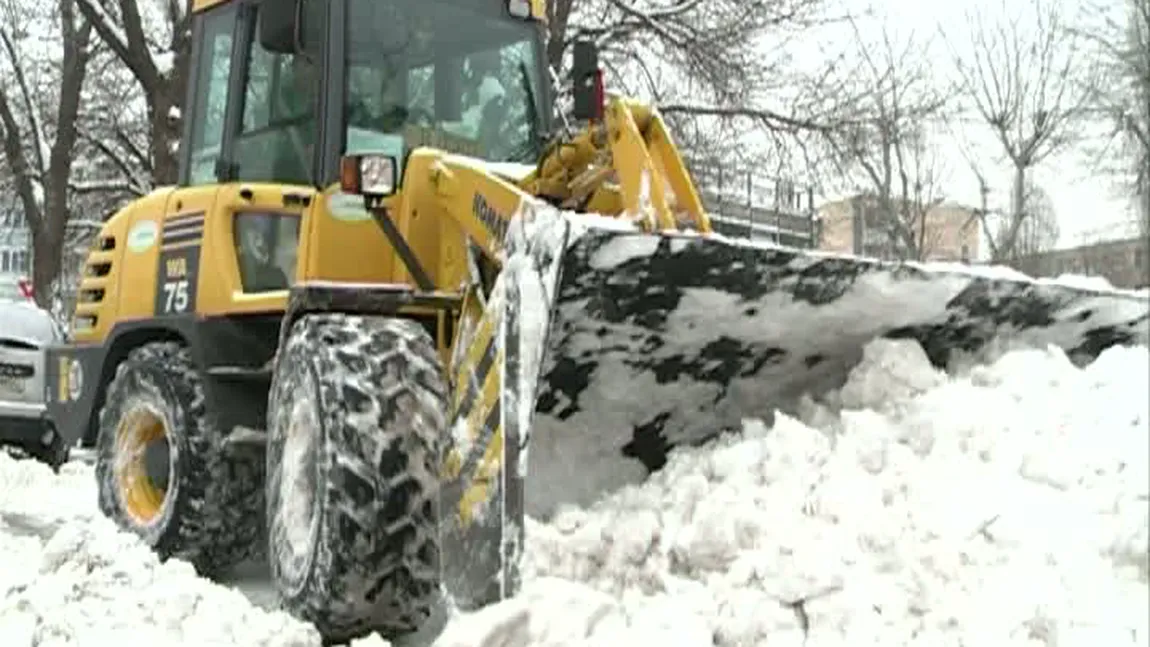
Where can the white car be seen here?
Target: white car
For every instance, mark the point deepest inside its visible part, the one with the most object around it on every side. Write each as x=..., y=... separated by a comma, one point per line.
x=25, y=331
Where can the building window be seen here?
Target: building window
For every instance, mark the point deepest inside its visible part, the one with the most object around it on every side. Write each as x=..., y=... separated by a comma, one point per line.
x=1139, y=259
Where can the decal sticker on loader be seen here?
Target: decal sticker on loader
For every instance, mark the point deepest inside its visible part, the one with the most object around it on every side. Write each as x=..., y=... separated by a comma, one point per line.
x=142, y=236
x=179, y=264
x=495, y=223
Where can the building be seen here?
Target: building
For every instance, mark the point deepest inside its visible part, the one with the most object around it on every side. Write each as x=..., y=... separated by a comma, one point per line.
x=855, y=225
x=16, y=255
x=15, y=247
x=1124, y=263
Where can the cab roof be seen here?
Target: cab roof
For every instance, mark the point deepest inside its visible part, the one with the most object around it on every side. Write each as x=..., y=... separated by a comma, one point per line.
x=538, y=7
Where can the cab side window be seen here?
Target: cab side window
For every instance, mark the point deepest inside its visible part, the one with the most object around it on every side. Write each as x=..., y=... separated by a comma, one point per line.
x=266, y=246
x=212, y=89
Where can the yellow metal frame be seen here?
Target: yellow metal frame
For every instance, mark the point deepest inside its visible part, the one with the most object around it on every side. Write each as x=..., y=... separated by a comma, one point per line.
x=203, y=5
x=627, y=165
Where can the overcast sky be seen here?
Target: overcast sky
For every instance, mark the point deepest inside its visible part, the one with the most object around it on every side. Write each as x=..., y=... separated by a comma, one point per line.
x=1085, y=203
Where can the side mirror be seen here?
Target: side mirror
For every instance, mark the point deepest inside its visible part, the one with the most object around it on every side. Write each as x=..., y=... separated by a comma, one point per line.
x=371, y=175
x=588, y=80
x=279, y=25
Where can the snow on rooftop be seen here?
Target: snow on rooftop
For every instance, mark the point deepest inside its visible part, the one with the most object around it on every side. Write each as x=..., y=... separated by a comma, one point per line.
x=1002, y=505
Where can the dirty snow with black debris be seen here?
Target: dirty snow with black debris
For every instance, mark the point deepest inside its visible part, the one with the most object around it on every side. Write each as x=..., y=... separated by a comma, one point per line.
x=1005, y=505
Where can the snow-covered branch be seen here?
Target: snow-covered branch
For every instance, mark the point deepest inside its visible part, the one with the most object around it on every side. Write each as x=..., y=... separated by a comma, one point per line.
x=106, y=186
x=152, y=40
x=42, y=168
x=717, y=68
x=40, y=150
x=767, y=118
x=1118, y=35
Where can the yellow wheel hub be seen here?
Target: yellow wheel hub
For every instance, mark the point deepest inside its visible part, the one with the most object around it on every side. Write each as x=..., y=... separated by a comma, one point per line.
x=141, y=497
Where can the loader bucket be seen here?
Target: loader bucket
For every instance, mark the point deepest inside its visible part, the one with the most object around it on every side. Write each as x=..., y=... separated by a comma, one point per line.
x=617, y=346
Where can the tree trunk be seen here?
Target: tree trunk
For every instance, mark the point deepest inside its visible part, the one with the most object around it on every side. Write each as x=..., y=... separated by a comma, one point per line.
x=559, y=13
x=47, y=249
x=164, y=132
x=1008, y=246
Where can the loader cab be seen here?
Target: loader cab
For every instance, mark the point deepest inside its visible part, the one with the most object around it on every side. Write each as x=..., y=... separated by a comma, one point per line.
x=284, y=88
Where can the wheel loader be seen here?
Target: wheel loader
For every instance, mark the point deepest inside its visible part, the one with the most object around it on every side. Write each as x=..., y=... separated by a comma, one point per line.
x=394, y=305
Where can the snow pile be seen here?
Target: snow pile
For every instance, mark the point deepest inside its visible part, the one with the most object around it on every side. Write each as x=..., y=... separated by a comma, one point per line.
x=1083, y=282
x=69, y=577
x=1004, y=506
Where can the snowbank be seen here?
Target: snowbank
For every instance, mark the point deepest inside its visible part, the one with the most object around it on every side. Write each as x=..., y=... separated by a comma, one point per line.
x=69, y=577
x=1007, y=506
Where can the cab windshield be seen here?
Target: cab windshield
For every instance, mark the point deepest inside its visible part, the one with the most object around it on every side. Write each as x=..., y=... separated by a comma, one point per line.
x=461, y=75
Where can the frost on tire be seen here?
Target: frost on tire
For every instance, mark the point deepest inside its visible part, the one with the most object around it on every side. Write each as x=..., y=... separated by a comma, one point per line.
x=356, y=415
x=162, y=469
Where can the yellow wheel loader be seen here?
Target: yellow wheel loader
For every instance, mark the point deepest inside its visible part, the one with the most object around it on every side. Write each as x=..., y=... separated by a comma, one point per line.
x=391, y=307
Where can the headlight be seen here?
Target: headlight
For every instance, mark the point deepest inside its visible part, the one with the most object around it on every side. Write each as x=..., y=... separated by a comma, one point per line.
x=370, y=175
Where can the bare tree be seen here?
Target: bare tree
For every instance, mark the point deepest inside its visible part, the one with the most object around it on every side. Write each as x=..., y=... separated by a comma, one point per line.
x=884, y=147
x=114, y=136
x=1024, y=81
x=1036, y=230
x=153, y=40
x=1039, y=229
x=39, y=133
x=717, y=70
x=1119, y=35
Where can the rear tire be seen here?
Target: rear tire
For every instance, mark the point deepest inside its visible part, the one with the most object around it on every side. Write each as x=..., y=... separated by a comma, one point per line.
x=356, y=417
x=209, y=511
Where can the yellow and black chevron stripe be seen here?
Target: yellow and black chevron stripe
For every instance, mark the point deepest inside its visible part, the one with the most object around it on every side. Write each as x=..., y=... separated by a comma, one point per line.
x=182, y=231
x=476, y=400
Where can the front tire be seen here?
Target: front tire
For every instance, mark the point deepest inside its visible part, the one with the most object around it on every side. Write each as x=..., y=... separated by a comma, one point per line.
x=356, y=417
x=162, y=469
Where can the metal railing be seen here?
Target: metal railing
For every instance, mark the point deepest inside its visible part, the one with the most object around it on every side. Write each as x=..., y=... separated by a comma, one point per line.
x=756, y=205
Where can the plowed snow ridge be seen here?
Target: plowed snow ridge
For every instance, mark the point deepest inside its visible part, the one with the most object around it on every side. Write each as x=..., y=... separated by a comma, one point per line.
x=1007, y=505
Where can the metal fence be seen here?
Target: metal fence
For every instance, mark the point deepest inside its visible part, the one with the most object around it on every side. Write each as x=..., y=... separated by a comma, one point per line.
x=756, y=205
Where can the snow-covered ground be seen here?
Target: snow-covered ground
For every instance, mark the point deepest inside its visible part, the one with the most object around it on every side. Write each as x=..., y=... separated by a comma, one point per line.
x=69, y=577
x=1007, y=505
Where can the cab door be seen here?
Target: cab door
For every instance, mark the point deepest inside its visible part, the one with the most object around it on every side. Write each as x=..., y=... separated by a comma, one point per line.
x=252, y=137
x=179, y=263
